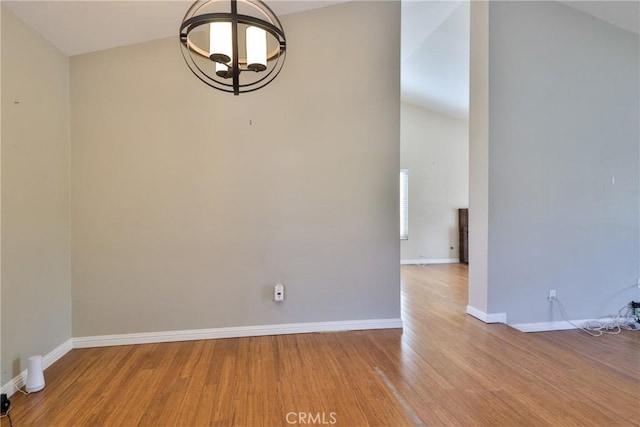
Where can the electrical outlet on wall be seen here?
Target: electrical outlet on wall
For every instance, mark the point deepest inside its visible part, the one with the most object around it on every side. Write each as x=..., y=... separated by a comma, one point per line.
x=278, y=292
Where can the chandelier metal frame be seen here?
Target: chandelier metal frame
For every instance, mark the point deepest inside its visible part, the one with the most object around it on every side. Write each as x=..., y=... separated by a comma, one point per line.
x=231, y=80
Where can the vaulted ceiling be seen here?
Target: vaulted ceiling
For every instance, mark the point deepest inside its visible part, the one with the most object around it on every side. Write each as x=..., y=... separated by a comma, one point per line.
x=435, y=55
x=435, y=35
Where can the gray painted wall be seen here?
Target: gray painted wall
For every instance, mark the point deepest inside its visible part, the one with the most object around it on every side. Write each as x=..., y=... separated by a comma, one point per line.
x=564, y=121
x=36, y=282
x=479, y=156
x=435, y=149
x=1, y=378
x=189, y=204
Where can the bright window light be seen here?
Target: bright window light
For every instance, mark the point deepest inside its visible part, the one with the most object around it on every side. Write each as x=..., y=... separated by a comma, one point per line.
x=404, y=204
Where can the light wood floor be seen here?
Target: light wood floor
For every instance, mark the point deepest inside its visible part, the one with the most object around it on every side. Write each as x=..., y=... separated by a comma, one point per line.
x=444, y=368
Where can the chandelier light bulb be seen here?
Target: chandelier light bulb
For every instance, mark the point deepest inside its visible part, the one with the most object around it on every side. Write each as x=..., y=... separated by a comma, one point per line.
x=256, y=49
x=220, y=49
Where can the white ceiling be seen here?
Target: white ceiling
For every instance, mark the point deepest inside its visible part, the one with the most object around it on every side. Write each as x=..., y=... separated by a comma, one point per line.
x=435, y=35
x=81, y=26
x=435, y=56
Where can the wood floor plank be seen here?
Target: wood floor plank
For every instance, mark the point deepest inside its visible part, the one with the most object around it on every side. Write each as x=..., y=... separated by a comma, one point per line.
x=449, y=368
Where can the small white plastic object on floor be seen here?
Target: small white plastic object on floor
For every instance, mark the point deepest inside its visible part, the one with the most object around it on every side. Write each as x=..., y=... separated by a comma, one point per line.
x=35, y=374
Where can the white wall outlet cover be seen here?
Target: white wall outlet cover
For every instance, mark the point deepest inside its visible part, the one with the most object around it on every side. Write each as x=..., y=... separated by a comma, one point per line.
x=278, y=292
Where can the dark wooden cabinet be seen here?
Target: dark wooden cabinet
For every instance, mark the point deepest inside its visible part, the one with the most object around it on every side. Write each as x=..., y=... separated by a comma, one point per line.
x=463, y=227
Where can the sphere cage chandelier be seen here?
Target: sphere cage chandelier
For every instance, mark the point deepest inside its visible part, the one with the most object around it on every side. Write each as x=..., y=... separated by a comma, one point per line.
x=235, y=46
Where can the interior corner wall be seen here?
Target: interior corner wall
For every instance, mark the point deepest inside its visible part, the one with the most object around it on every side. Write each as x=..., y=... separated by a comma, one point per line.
x=564, y=183
x=189, y=204
x=435, y=149
x=35, y=241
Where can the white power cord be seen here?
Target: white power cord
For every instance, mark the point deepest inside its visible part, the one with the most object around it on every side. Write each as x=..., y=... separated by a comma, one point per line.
x=596, y=328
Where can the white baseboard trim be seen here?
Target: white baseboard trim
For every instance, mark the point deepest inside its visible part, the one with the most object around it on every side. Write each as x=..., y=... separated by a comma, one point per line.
x=425, y=261
x=487, y=317
x=234, y=332
x=560, y=325
x=47, y=360
x=544, y=326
